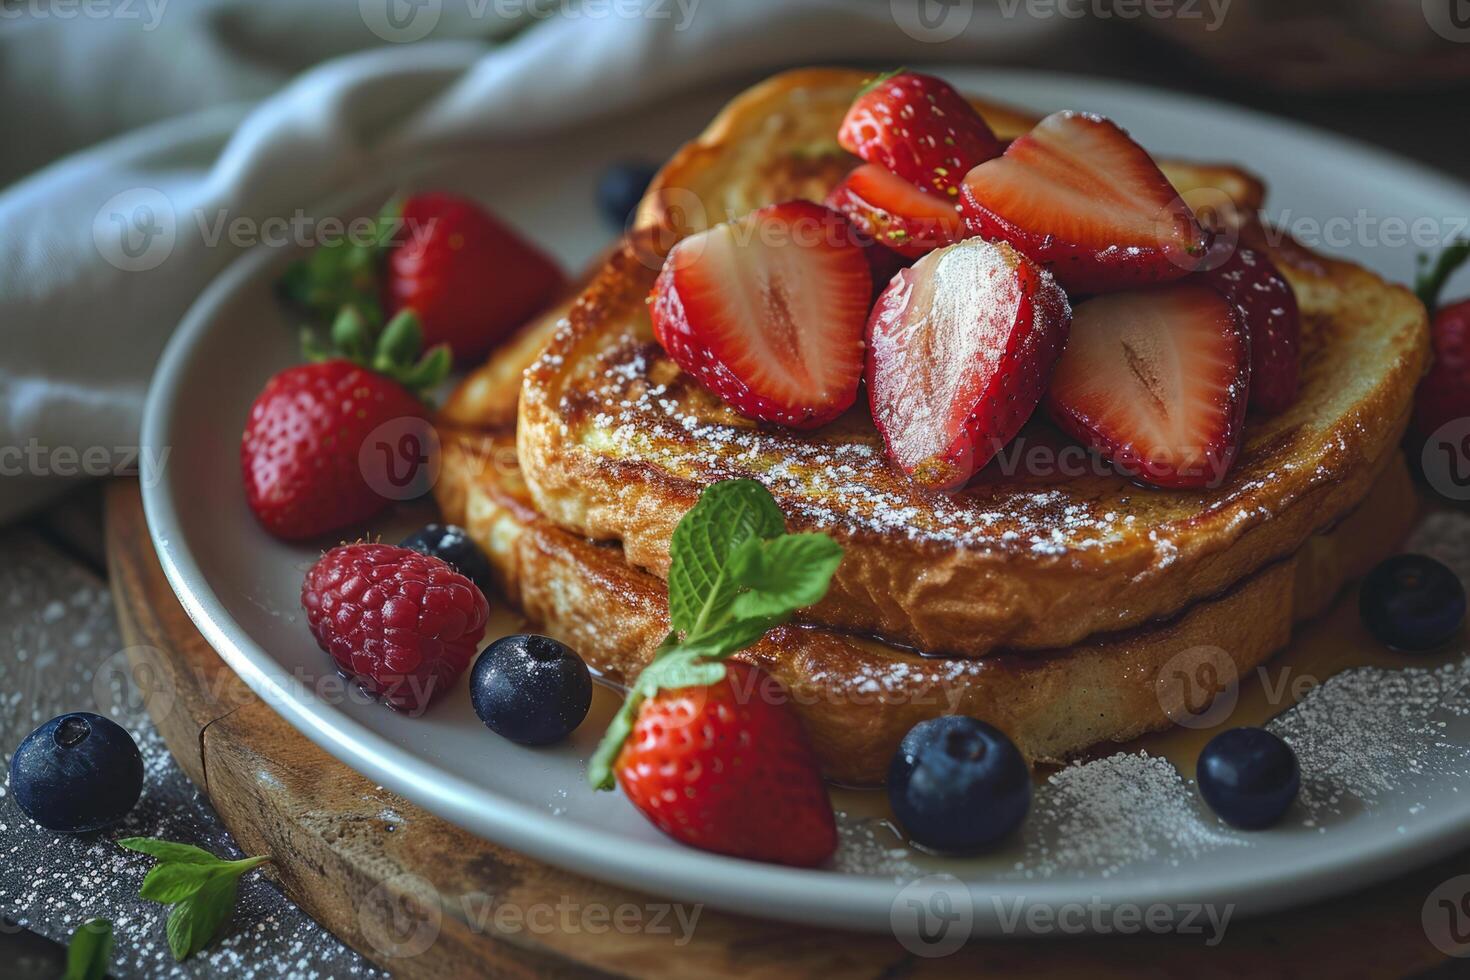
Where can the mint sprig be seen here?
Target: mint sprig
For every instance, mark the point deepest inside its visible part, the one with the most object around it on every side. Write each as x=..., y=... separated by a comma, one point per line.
x=1429, y=283
x=200, y=887
x=90, y=951
x=734, y=574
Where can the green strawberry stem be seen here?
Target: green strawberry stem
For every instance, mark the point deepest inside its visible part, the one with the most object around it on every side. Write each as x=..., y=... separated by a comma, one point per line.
x=877, y=80
x=1430, y=283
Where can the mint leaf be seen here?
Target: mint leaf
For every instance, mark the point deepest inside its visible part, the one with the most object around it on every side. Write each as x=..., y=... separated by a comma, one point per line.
x=167, y=850
x=200, y=887
x=734, y=574
x=785, y=574
x=90, y=951
x=169, y=883
x=195, y=920
x=728, y=515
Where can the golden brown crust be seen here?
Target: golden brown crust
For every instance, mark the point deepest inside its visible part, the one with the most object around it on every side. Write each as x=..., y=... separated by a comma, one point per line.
x=616, y=442
x=857, y=698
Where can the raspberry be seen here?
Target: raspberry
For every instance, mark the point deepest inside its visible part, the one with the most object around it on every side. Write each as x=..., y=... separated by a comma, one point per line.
x=402, y=624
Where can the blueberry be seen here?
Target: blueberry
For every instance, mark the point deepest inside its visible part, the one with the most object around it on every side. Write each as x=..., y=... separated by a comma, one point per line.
x=620, y=188
x=1412, y=602
x=77, y=773
x=1248, y=777
x=530, y=689
x=453, y=544
x=958, y=784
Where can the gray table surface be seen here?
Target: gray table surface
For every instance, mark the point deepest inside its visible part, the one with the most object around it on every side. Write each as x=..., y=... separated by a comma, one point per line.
x=57, y=627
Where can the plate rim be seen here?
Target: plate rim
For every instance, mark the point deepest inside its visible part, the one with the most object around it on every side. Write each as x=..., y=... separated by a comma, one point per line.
x=818, y=897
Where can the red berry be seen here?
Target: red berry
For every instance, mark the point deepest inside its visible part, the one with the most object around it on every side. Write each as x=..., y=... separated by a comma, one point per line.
x=727, y=768
x=301, y=453
x=1444, y=394
x=1157, y=381
x=960, y=349
x=402, y=624
x=894, y=213
x=1077, y=195
x=920, y=129
x=767, y=312
x=470, y=278
x=1268, y=307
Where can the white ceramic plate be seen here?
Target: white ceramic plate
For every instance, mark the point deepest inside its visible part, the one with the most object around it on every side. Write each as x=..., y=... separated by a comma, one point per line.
x=241, y=587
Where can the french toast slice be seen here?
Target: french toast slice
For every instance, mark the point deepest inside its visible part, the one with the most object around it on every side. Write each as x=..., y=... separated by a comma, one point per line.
x=616, y=443
x=858, y=697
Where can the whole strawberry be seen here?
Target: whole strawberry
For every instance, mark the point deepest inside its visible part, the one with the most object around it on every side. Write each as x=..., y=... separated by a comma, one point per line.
x=1444, y=394
x=402, y=624
x=919, y=128
x=301, y=451
x=306, y=467
x=727, y=768
x=470, y=279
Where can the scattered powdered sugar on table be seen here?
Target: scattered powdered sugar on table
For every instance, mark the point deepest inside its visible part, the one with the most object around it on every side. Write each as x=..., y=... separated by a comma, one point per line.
x=57, y=628
x=1368, y=738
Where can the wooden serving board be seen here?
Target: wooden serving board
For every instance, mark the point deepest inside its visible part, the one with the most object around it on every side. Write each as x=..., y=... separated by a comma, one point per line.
x=419, y=896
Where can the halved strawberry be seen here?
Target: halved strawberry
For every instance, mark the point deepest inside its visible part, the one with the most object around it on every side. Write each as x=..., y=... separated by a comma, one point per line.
x=1268, y=307
x=1157, y=381
x=896, y=214
x=960, y=349
x=919, y=128
x=767, y=312
x=1079, y=196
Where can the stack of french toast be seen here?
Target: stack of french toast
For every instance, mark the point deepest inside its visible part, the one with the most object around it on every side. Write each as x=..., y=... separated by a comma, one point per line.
x=1055, y=603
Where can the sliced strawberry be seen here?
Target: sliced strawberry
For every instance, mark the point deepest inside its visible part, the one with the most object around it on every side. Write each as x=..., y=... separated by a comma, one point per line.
x=919, y=128
x=1079, y=196
x=767, y=312
x=894, y=213
x=1157, y=381
x=1268, y=307
x=960, y=350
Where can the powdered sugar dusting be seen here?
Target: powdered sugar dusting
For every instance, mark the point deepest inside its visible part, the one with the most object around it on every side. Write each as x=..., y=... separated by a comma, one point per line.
x=1369, y=739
